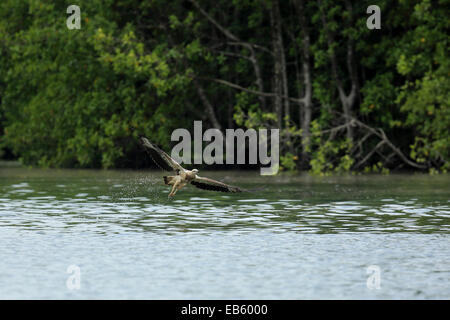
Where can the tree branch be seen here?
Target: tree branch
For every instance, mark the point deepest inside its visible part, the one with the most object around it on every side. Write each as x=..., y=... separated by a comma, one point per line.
x=235, y=40
x=380, y=133
x=208, y=106
x=256, y=92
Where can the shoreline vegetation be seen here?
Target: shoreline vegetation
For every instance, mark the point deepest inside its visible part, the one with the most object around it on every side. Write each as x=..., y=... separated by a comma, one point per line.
x=346, y=98
x=15, y=164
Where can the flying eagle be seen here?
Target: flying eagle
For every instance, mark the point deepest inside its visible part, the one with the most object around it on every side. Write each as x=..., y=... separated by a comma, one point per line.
x=183, y=176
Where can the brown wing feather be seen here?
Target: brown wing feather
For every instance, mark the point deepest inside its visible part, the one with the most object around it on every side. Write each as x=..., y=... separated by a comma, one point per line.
x=162, y=159
x=213, y=185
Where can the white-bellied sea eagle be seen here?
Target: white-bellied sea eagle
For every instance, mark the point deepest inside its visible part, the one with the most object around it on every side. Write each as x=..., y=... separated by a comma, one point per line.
x=183, y=176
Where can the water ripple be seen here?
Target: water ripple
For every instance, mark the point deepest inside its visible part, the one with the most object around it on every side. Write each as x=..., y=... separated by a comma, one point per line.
x=138, y=213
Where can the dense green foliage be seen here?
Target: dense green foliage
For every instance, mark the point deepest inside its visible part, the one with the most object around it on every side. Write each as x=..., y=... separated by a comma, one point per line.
x=345, y=97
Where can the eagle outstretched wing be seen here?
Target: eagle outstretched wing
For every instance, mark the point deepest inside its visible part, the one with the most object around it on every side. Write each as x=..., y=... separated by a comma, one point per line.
x=162, y=159
x=213, y=185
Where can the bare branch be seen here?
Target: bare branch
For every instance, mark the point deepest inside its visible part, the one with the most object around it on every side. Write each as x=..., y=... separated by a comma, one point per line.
x=367, y=157
x=247, y=44
x=208, y=106
x=236, y=41
x=232, y=54
x=258, y=93
x=380, y=133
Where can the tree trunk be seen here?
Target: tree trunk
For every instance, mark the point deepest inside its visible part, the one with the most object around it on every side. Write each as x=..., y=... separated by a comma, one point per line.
x=279, y=63
x=347, y=100
x=307, y=83
x=305, y=90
